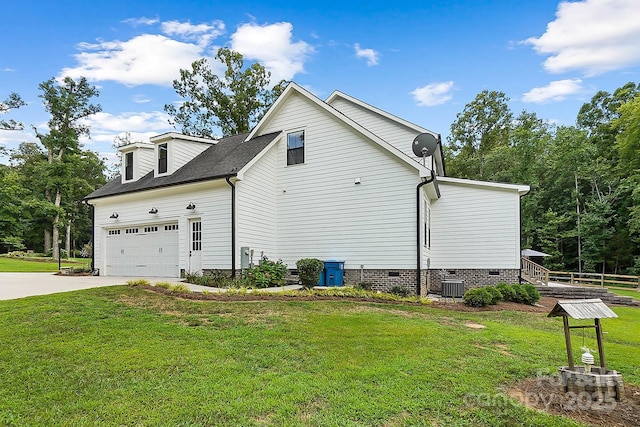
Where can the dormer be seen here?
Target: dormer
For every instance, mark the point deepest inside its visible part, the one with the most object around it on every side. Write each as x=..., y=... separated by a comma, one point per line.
x=173, y=150
x=136, y=161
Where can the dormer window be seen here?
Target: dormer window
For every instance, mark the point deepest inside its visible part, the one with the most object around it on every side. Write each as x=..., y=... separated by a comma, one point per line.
x=128, y=166
x=162, y=158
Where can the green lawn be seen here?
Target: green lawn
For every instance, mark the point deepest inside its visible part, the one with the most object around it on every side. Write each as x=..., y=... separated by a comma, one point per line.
x=626, y=292
x=125, y=356
x=36, y=265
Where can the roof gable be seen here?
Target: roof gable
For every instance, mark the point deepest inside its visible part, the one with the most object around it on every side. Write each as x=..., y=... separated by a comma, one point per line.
x=388, y=125
x=293, y=88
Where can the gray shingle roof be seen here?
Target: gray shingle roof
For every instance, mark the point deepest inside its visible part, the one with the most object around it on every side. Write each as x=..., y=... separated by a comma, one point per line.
x=223, y=159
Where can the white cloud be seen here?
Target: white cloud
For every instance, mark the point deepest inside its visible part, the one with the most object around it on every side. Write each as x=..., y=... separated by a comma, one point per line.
x=594, y=36
x=143, y=20
x=554, y=91
x=272, y=46
x=145, y=59
x=202, y=33
x=141, y=125
x=433, y=94
x=369, y=54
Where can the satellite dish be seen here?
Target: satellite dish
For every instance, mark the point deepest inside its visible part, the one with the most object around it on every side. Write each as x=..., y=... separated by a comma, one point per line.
x=424, y=145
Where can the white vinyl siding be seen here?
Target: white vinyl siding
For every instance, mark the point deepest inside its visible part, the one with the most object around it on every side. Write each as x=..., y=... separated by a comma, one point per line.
x=394, y=133
x=212, y=200
x=256, y=207
x=181, y=152
x=475, y=227
x=322, y=213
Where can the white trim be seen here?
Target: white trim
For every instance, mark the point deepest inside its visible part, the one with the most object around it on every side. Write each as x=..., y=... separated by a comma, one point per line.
x=413, y=126
x=291, y=87
x=133, y=146
x=241, y=172
x=175, y=135
x=522, y=189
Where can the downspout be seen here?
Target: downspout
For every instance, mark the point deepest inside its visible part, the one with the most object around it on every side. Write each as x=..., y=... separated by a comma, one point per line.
x=93, y=236
x=520, y=228
x=233, y=226
x=418, y=226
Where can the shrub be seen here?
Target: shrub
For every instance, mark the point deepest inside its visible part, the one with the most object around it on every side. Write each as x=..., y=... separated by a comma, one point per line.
x=400, y=291
x=507, y=291
x=180, y=288
x=309, y=270
x=521, y=295
x=267, y=274
x=165, y=285
x=138, y=282
x=532, y=293
x=477, y=297
x=496, y=295
x=365, y=286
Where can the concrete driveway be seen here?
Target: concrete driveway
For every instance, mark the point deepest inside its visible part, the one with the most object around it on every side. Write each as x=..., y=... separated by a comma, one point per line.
x=20, y=285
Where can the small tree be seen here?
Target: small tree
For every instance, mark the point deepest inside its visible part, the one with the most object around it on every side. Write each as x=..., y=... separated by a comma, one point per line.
x=309, y=270
x=233, y=102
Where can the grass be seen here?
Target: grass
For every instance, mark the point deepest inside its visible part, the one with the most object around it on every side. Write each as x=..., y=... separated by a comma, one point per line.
x=626, y=292
x=37, y=265
x=126, y=356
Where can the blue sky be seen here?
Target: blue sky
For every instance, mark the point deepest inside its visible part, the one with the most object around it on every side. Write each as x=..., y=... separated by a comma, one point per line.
x=422, y=61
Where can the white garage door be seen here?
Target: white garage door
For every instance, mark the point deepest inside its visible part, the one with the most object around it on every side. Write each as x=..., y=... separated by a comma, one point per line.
x=149, y=250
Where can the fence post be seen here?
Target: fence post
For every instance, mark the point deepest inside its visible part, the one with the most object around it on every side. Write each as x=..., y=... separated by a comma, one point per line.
x=571, y=280
x=602, y=280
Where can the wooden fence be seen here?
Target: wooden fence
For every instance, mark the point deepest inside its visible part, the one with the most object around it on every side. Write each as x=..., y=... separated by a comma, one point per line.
x=595, y=279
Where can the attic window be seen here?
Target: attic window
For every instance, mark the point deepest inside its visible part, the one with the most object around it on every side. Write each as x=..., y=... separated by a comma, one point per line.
x=162, y=158
x=295, y=147
x=128, y=166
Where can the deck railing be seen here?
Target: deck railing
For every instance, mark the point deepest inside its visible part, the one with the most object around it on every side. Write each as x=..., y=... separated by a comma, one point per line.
x=534, y=273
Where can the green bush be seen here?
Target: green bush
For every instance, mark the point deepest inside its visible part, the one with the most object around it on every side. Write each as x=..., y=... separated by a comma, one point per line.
x=268, y=274
x=401, y=291
x=138, y=282
x=508, y=294
x=532, y=293
x=309, y=270
x=477, y=297
x=521, y=295
x=365, y=286
x=496, y=295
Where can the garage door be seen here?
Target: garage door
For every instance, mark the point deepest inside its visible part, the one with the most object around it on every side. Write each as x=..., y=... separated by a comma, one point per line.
x=148, y=250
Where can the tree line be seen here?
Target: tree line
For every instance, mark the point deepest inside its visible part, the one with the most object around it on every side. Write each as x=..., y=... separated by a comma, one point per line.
x=583, y=208
x=584, y=204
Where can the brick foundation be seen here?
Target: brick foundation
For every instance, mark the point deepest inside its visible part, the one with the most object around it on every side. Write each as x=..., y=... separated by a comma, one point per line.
x=472, y=278
x=383, y=280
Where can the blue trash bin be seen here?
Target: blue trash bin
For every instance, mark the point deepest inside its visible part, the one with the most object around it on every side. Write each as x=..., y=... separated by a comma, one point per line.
x=334, y=273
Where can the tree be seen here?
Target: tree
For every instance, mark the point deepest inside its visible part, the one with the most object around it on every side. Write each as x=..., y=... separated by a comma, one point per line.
x=234, y=102
x=628, y=148
x=484, y=124
x=11, y=103
x=68, y=103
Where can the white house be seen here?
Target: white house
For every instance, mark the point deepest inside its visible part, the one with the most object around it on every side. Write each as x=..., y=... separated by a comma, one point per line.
x=334, y=180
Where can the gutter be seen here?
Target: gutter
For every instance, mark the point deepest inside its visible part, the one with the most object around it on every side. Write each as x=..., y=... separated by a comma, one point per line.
x=418, y=225
x=520, y=234
x=233, y=225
